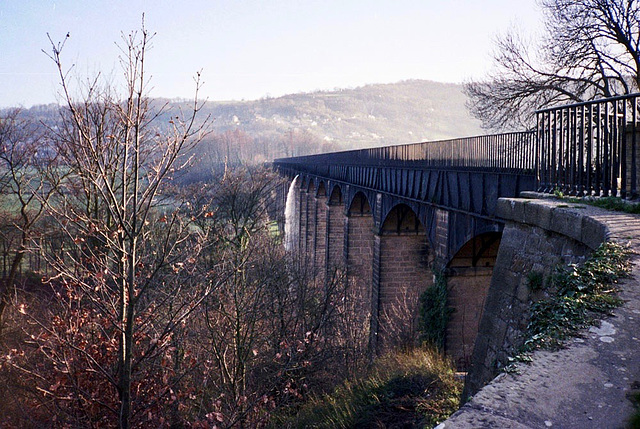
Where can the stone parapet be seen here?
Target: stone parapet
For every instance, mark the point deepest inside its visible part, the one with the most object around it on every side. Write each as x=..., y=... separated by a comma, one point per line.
x=568, y=219
x=539, y=236
x=587, y=383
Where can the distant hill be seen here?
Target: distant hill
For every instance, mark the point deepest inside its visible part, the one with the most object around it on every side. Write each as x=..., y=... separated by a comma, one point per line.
x=371, y=115
x=368, y=116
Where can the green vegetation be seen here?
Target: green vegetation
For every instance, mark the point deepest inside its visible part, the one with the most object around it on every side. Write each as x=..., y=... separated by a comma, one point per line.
x=434, y=313
x=409, y=389
x=612, y=203
x=535, y=280
x=558, y=193
x=609, y=203
x=579, y=296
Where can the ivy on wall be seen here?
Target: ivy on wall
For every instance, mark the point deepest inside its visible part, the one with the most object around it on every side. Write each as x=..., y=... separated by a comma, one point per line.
x=434, y=313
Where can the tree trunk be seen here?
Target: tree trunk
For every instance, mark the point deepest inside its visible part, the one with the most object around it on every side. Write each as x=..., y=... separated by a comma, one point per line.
x=127, y=338
x=9, y=286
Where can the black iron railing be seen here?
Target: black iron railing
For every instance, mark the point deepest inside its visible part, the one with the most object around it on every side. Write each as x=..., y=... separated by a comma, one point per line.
x=510, y=152
x=581, y=149
x=589, y=148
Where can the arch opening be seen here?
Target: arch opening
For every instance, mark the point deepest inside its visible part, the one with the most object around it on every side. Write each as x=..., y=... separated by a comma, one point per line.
x=336, y=196
x=322, y=190
x=311, y=187
x=468, y=279
x=405, y=263
x=402, y=220
x=360, y=205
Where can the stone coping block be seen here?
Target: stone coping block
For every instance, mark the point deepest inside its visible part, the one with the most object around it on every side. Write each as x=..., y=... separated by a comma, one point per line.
x=569, y=219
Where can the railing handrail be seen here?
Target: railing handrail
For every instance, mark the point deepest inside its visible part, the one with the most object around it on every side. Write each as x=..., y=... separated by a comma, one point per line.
x=406, y=145
x=487, y=151
x=590, y=148
x=586, y=148
x=588, y=102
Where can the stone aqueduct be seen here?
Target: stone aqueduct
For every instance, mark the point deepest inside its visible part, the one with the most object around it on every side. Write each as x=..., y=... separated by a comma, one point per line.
x=391, y=216
x=391, y=226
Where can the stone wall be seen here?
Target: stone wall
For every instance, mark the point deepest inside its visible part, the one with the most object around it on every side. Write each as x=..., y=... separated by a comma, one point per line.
x=359, y=255
x=310, y=238
x=335, y=236
x=467, y=289
x=304, y=215
x=468, y=278
x=442, y=234
x=537, y=237
x=320, y=237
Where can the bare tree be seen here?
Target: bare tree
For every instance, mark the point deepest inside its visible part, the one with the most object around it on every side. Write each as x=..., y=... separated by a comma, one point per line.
x=268, y=331
x=296, y=142
x=24, y=159
x=590, y=49
x=126, y=247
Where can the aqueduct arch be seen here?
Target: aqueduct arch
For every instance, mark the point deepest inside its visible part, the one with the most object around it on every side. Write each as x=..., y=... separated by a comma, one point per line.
x=335, y=230
x=402, y=271
x=468, y=278
x=359, y=249
x=387, y=247
x=319, y=242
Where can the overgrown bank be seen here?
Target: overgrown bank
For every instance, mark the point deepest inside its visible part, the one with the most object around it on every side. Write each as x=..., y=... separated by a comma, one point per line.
x=405, y=389
x=578, y=297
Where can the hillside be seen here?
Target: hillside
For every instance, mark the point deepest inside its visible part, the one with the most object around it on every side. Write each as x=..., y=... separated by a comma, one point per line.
x=372, y=115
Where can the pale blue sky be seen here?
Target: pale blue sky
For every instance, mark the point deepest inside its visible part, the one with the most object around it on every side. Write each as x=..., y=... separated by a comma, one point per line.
x=248, y=49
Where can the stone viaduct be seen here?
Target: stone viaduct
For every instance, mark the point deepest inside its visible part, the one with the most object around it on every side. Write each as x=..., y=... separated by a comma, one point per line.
x=390, y=225
x=391, y=217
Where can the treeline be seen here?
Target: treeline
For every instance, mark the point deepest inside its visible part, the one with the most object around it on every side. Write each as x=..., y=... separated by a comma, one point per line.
x=221, y=327
x=372, y=115
x=237, y=147
x=216, y=148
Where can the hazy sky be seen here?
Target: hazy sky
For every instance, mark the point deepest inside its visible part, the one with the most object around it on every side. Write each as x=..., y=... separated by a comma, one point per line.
x=248, y=49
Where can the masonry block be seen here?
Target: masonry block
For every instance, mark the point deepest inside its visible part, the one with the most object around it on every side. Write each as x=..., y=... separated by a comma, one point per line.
x=537, y=214
x=567, y=223
x=404, y=273
x=359, y=250
x=320, y=238
x=335, y=236
x=510, y=209
x=594, y=233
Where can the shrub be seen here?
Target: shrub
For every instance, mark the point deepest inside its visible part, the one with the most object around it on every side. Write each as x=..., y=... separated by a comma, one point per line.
x=582, y=295
x=434, y=313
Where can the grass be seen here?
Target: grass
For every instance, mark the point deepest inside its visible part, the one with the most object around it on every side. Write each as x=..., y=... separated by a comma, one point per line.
x=615, y=203
x=609, y=203
x=579, y=297
x=535, y=280
x=407, y=389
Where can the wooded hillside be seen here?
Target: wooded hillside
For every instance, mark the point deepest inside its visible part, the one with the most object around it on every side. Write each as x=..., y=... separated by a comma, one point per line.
x=372, y=115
